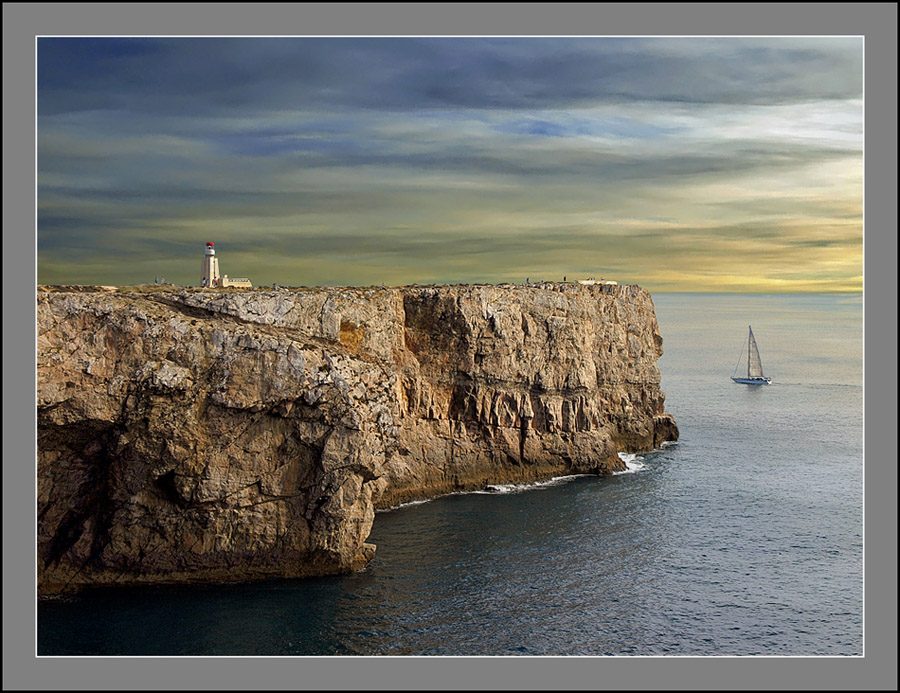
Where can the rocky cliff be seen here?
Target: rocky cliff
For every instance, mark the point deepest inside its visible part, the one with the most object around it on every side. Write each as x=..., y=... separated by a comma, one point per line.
x=192, y=434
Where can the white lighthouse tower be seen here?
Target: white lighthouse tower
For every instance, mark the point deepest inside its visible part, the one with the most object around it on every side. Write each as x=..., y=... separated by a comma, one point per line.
x=209, y=270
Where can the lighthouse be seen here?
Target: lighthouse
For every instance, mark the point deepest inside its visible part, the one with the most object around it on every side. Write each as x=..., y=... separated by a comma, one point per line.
x=209, y=270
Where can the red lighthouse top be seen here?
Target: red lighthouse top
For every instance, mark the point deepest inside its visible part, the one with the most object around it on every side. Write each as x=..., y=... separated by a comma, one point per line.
x=209, y=245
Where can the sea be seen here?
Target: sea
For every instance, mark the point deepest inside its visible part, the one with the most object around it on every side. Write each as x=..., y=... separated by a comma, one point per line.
x=744, y=538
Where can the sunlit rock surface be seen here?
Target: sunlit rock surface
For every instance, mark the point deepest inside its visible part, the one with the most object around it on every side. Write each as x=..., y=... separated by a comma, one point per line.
x=192, y=435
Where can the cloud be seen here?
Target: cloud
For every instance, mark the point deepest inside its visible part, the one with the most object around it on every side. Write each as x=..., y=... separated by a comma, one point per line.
x=350, y=159
x=203, y=75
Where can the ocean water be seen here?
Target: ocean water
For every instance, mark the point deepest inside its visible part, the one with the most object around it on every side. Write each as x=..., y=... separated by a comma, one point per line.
x=744, y=538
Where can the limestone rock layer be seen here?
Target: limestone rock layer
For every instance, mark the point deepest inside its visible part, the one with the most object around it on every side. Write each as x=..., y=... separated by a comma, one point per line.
x=193, y=435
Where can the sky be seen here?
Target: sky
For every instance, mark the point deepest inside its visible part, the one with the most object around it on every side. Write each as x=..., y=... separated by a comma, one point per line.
x=679, y=164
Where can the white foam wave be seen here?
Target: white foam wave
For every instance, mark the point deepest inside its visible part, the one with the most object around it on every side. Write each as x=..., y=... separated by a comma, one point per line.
x=633, y=463
x=404, y=505
x=531, y=486
x=493, y=489
x=502, y=488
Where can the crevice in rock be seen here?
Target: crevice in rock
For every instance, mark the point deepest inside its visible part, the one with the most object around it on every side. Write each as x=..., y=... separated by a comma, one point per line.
x=92, y=502
x=165, y=483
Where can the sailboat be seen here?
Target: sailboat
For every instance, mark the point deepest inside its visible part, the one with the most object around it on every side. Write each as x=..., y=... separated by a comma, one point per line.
x=754, y=365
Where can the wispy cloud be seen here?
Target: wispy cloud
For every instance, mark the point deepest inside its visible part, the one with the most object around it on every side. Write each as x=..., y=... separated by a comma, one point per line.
x=683, y=164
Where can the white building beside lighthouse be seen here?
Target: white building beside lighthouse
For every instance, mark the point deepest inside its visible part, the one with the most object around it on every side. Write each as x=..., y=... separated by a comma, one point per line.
x=209, y=271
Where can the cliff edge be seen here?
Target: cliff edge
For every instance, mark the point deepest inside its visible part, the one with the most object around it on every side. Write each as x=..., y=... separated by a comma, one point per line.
x=191, y=435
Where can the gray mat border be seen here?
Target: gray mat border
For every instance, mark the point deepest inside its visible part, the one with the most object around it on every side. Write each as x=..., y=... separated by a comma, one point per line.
x=877, y=670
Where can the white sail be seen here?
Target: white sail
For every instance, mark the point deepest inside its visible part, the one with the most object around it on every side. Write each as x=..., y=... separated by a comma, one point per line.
x=754, y=365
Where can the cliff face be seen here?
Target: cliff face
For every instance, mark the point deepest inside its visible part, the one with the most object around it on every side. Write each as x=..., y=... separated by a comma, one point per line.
x=203, y=435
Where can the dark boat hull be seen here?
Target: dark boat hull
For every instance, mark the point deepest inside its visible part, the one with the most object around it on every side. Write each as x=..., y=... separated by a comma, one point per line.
x=753, y=381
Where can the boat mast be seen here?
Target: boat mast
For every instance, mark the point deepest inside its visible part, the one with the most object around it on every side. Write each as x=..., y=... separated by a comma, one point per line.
x=749, y=343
